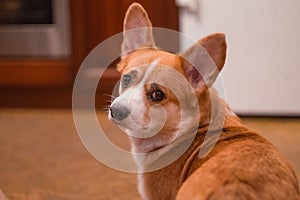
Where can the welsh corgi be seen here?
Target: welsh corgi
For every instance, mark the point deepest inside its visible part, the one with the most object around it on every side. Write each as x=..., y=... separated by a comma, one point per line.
x=165, y=100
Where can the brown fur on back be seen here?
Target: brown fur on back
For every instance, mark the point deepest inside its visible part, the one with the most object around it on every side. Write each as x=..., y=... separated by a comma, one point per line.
x=242, y=165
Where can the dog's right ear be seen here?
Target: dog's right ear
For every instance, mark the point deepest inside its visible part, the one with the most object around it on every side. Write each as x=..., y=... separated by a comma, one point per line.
x=137, y=31
x=208, y=56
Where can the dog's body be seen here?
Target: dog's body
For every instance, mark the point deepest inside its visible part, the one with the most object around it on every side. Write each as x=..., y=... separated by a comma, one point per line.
x=241, y=165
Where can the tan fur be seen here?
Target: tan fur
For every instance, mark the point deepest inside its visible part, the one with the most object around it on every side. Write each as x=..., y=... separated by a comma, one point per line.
x=242, y=164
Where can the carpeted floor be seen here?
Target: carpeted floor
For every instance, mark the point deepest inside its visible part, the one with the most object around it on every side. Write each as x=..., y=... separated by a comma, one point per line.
x=43, y=158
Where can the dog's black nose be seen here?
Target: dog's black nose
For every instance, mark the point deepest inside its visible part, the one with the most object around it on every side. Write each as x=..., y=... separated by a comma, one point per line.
x=118, y=112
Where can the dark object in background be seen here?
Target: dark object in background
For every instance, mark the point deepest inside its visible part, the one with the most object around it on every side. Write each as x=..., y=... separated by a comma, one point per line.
x=26, y=12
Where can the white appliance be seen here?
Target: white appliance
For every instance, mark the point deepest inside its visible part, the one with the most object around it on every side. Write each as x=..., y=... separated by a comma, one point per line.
x=261, y=75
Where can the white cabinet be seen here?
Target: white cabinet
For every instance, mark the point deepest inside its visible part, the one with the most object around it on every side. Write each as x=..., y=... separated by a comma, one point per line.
x=261, y=75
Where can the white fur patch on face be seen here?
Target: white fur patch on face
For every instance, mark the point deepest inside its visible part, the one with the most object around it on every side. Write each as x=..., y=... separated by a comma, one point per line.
x=136, y=124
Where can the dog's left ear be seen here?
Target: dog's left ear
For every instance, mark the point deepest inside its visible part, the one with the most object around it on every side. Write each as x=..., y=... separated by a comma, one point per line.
x=208, y=56
x=137, y=30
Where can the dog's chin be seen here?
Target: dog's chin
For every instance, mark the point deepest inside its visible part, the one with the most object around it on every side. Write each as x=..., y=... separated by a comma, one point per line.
x=138, y=130
x=134, y=130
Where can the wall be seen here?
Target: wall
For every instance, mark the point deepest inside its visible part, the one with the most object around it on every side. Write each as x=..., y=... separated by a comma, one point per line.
x=263, y=64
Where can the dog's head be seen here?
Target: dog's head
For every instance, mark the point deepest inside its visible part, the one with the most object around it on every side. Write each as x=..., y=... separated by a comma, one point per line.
x=160, y=91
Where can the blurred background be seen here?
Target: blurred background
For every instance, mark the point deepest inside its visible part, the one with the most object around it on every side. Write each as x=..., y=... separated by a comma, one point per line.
x=44, y=42
x=261, y=72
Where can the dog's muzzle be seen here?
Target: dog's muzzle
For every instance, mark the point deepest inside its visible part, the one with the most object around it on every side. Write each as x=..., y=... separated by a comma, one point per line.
x=118, y=112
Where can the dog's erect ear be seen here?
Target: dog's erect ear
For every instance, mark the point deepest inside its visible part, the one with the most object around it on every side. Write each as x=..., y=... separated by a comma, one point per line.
x=137, y=29
x=208, y=56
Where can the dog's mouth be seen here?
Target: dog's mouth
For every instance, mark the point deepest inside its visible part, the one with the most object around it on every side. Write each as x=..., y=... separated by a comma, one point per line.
x=128, y=121
x=139, y=126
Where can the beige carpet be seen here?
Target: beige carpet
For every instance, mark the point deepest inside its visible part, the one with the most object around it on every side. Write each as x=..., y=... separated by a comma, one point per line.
x=43, y=158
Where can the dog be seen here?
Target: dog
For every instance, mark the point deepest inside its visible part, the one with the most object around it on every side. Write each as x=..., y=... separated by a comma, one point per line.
x=166, y=105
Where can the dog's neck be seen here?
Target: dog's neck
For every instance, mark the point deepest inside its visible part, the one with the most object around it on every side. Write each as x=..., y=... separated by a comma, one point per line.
x=214, y=111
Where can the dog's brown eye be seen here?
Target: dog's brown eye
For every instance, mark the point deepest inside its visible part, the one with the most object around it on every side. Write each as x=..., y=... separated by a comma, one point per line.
x=157, y=96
